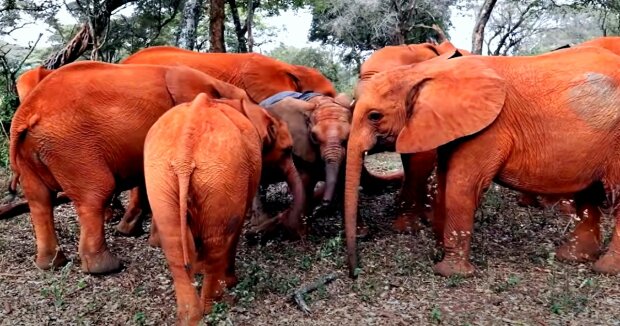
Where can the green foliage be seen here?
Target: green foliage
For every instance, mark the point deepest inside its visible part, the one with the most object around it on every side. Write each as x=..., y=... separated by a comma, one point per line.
x=261, y=32
x=510, y=283
x=369, y=25
x=435, y=316
x=327, y=62
x=153, y=22
x=139, y=318
x=219, y=314
x=455, y=281
x=56, y=287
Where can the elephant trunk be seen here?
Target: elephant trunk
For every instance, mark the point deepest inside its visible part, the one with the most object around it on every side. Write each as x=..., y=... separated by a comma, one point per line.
x=331, y=179
x=293, y=180
x=333, y=155
x=355, y=161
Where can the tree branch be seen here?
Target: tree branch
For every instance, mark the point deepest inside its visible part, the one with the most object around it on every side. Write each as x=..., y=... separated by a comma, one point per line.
x=481, y=21
x=19, y=66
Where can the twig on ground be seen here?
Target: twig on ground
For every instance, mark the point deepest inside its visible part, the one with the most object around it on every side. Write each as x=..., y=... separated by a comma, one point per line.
x=298, y=295
x=9, y=275
x=21, y=206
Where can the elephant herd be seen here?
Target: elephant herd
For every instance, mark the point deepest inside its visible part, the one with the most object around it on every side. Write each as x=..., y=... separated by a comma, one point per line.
x=195, y=135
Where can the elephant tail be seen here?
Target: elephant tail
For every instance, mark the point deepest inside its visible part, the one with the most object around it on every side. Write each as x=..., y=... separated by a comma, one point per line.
x=183, y=166
x=183, y=194
x=18, y=133
x=13, y=184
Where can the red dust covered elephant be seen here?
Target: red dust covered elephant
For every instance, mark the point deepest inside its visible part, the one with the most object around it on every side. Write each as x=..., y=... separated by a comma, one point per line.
x=418, y=167
x=546, y=124
x=99, y=150
x=202, y=164
x=259, y=75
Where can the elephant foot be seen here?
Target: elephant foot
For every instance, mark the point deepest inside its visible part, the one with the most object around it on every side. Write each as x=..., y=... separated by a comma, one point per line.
x=189, y=316
x=101, y=263
x=579, y=249
x=110, y=211
x=154, y=240
x=293, y=230
x=362, y=231
x=231, y=281
x=130, y=229
x=407, y=223
x=449, y=268
x=608, y=264
x=51, y=260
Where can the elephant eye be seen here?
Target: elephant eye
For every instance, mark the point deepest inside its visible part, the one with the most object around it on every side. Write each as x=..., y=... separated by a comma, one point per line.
x=313, y=137
x=375, y=116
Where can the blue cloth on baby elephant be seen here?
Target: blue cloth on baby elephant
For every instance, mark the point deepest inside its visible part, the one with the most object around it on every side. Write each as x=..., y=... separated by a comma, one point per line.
x=305, y=96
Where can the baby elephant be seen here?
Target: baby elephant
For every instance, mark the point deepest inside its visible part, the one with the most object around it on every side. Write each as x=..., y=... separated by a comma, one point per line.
x=203, y=164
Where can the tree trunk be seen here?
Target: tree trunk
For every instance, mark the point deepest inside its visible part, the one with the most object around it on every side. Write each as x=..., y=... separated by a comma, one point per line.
x=481, y=22
x=239, y=30
x=88, y=35
x=191, y=15
x=248, y=24
x=216, y=25
x=72, y=51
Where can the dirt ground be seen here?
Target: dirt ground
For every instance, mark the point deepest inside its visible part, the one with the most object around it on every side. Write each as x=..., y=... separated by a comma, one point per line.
x=518, y=282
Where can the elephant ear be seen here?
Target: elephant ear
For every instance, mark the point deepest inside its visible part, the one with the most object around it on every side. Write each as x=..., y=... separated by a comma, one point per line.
x=27, y=81
x=259, y=117
x=296, y=114
x=445, y=47
x=184, y=83
x=344, y=100
x=458, y=99
x=263, y=77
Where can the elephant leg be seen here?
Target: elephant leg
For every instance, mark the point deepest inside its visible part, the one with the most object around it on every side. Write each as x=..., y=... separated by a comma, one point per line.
x=154, y=240
x=260, y=222
x=466, y=180
x=439, y=204
x=231, y=277
x=414, y=193
x=609, y=263
x=94, y=253
x=166, y=217
x=318, y=193
x=49, y=253
x=219, y=265
x=115, y=205
x=131, y=223
x=309, y=183
x=584, y=243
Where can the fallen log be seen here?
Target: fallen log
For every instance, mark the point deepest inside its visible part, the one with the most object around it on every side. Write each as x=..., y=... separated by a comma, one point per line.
x=20, y=206
x=298, y=295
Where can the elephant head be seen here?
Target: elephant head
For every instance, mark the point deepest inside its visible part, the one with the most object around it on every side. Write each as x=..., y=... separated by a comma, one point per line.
x=311, y=80
x=415, y=109
x=277, y=155
x=391, y=57
x=320, y=129
x=263, y=77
